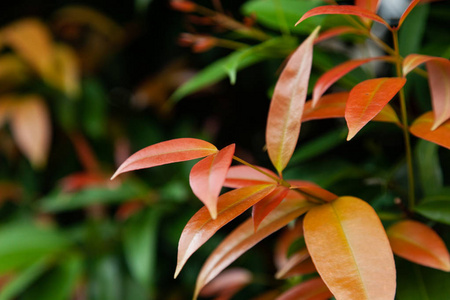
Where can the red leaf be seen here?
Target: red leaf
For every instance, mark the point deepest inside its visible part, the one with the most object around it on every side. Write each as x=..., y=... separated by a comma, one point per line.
x=336, y=73
x=81, y=180
x=244, y=237
x=267, y=204
x=313, y=289
x=228, y=283
x=312, y=190
x=165, y=153
x=201, y=227
x=333, y=106
x=31, y=127
x=367, y=99
x=439, y=81
x=370, y=5
x=412, y=61
x=407, y=11
x=419, y=243
x=208, y=175
x=242, y=176
x=421, y=128
x=347, y=235
x=286, y=108
x=343, y=10
x=339, y=30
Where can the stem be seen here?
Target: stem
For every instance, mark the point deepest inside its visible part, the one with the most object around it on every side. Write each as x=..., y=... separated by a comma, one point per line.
x=278, y=180
x=404, y=117
x=229, y=44
x=284, y=28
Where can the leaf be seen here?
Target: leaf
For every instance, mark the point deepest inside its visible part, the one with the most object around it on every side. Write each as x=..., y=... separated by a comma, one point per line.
x=412, y=61
x=439, y=81
x=166, y=152
x=370, y=5
x=421, y=128
x=429, y=167
x=286, y=107
x=367, y=99
x=6, y=103
x=208, y=175
x=347, y=235
x=333, y=106
x=411, y=5
x=267, y=204
x=242, y=176
x=436, y=208
x=312, y=190
x=228, y=283
x=31, y=128
x=201, y=226
x=419, y=243
x=413, y=30
x=331, y=76
x=312, y=289
x=335, y=31
x=294, y=260
x=244, y=237
x=343, y=10
x=289, y=235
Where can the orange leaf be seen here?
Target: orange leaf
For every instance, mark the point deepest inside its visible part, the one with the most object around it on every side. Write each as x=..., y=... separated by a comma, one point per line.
x=343, y=10
x=370, y=5
x=336, y=73
x=201, y=226
x=312, y=190
x=421, y=128
x=367, y=99
x=439, y=81
x=228, y=283
x=31, y=127
x=207, y=177
x=330, y=33
x=412, y=61
x=407, y=11
x=348, y=236
x=286, y=107
x=312, y=289
x=419, y=243
x=333, y=106
x=267, y=204
x=244, y=237
x=241, y=176
x=165, y=153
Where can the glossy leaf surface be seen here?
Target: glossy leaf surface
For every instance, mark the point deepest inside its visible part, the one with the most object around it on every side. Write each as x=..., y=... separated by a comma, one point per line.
x=201, y=226
x=244, y=237
x=207, y=177
x=367, y=99
x=165, y=153
x=336, y=73
x=267, y=204
x=421, y=128
x=286, y=107
x=312, y=289
x=439, y=81
x=360, y=249
x=241, y=176
x=343, y=10
x=419, y=243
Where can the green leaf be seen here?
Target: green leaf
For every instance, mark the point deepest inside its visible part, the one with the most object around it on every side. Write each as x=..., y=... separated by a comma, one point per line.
x=412, y=31
x=267, y=13
x=93, y=105
x=139, y=242
x=430, y=172
x=420, y=283
x=436, y=208
x=106, y=281
x=59, y=201
x=22, y=245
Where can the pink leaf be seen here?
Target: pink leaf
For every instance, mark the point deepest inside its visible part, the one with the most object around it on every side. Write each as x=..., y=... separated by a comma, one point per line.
x=208, y=175
x=286, y=108
x=241, y=176
x=343, y=10
x=439, y=81
x=165, y=153
x=367, y=99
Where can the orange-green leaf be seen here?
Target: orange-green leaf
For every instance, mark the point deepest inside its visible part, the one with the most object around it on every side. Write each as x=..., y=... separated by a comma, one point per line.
x=208, y=175
x=412, y=61
x=244, y=237
x=312, y=289
x=267, y=204
x=407, y=11
x=333, y=106
x=286, y=107
x=31, y=127
x=419, y=243
x=335, y=31
x=439, y=81
x=165, y=153
x=201, y=226
x=367, y=99
x=343, y=10
x=336, y=73
x=228, y=283
x=348, y=236
x=421, y=128
x=312, y=190
x=241, y=176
